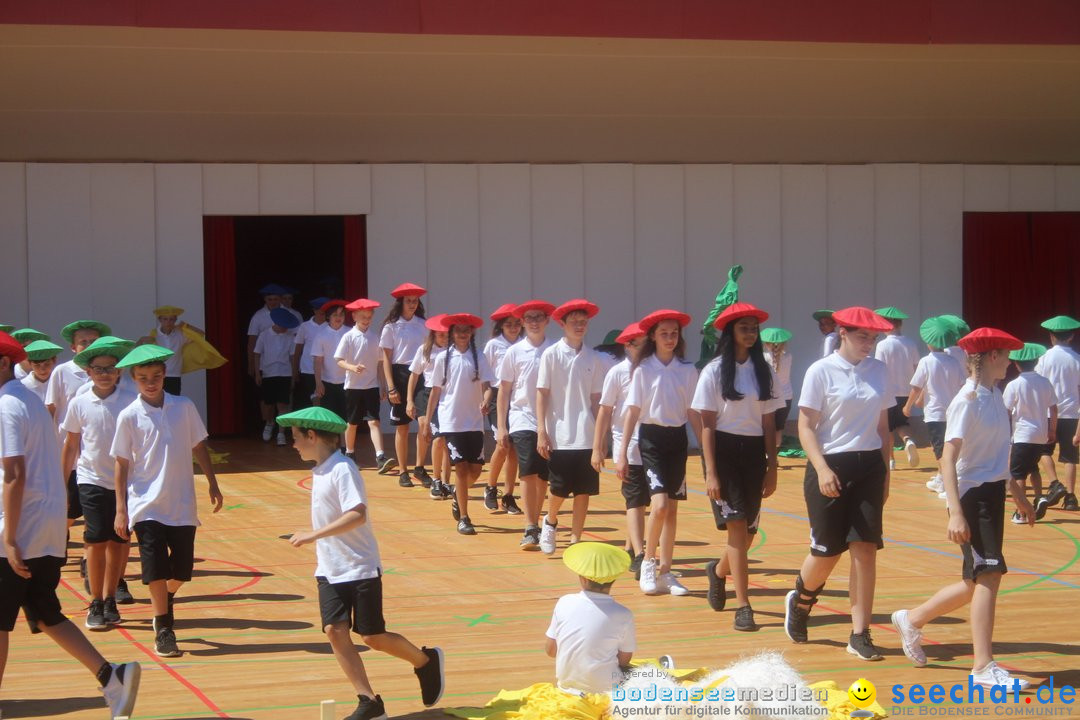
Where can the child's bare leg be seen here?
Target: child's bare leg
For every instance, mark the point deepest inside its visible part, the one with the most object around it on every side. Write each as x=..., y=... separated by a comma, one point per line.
x=350, y=438
x=495, y=466
x=398, y=646
x=737, y=537
x=74, y=643
x=116, y=555
x=577, y=524
x=553, y=509
x=511, y=469
x=401, y=446
x=348, y=658
x=667, y=537
x=635, y=529
x=655, y=525
x=983, y=606
x=376, y=436
x=943, y=602
x=95, y=569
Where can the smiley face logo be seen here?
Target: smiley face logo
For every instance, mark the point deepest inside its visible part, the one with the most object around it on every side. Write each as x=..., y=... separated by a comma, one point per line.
x=862, y=693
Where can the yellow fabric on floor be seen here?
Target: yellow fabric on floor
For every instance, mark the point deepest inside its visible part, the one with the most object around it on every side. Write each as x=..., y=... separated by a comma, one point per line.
x=541, y=701
x=839, y=704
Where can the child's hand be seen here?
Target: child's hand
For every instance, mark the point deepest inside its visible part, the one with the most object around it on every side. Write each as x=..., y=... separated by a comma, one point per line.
x=300, y=538
x=622, y=469
x=14, y=559
x=828, y=483
x=502, y=438
x=1051, y=435
x=712, y=486
x=426, y=429
x=598, y=461
x=770, y=482
x=319, y=389
x=1076, y=439
x=959, y=532
x=1023, y=506
x=120, y=524
x=216, y=498
x=543, y=445
x=410, y=410
x=258, y=378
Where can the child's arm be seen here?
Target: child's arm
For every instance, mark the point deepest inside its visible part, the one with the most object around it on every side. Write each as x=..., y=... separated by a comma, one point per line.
x=708, y=453
x=69, y=454
x=258, y=371
x=958, y=530
x=202, y=456
x=543, y=443
x=551, y=647
x=485, y=403
x=768, y=426
x=622, y=463
x=1051, y=431
x=599, y=443
x=120, y=482
x=886, y=447
x=828, y=483
x=298, y=350
x=624, y=658
x=914, y=400
x=410, y=395
x=388, y=374
x=14, y=483
x=316, y=366
x=349, y=519
x=502, y=437
x=432, y=405
x=253, y=362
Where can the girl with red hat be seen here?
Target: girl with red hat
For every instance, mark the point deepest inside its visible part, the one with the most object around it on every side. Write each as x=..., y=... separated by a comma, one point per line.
x=403, y=331
x=329, y=376
x=416, y=405
x=975, y=466
x=505, y=331
x=844, y=429
x=358, y=354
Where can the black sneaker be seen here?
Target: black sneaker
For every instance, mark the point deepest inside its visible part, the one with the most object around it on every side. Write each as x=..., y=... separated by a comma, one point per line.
x=718, y=591
x=385, y=464
x=112, y=615
x=123, y=595
x=509, y=504
x=95, y=616
x=436, y=490
x=465, y=526
x=744, y=619
x=165, y=643
x=1041, y=506
x=431, y=677
x=635, y=565
x=421, y=474
x=1070, y=503
x=491, y=498
x=795, y=618
x=531, y=539
x=454, y=509
x=368, y=709
x=447, y=491
x=862, y=646
x=1055, y=493
x=404, y=479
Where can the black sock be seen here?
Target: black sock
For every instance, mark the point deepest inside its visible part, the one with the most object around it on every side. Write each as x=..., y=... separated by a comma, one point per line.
x=163, y=621
x=104, y=674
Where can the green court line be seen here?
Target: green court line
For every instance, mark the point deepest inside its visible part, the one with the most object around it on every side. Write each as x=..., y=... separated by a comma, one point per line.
x=1063, y=568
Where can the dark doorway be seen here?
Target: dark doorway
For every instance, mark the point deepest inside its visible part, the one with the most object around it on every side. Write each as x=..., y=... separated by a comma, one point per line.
x=314, y=255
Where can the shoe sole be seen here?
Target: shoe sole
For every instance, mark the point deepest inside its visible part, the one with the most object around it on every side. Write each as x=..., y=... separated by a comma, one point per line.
x=914, y=660
x=176, y=653
x=749, y=628
x=388, y=465
x=787, y=615
x=97, y=628
x=546, y=551
x=530, y=546
x=853, y=651
x=132, y=678
x=442, y=677
x=466, y=532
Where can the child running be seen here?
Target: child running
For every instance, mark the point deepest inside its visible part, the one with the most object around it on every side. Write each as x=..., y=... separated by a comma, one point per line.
x=505, y=332
x=403, y=331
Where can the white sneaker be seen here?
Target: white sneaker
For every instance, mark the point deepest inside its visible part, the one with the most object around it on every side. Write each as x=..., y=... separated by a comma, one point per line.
x=1018, y=519
x=268, y=432
x=892, y=464
x=669, y=581
x=935, y=484
x=912, y=453
x=943, y=495
x=547, y=537
x=122, y=689
x=910, y=638
x=993, y=674
x=648, y=582
x=281, y=441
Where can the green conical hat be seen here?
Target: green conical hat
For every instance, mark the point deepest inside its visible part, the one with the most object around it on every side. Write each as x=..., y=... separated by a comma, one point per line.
x=39, y=350
x=775, y=335
x=938, y=332
x=68, y=331
x=104, y=345
x=1030, y=351
x=144, y=355
x=1061, y=324
x=315, y=418
x=958, y=323
x=892, y=313
x=29, y=335
x=819, y=314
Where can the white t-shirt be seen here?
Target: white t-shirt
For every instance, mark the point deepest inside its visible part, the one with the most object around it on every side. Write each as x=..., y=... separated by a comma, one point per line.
x=26, y=429
x=784, y=392
x=830, y=343
x=323, y=348
x=173, y=341
x=461, y=391
x=616, y=388
x=495, y=350
x=1028, y=399
x=157, y=442
x=426, y=367
x=403, y=337
x=305, y=335
x=95, y=419
x=1061, y=366
x=20, y=373
x=571, y=377
x=275, y=353
x=521, y=366
x=608, y=360
x=64, y=381
x=900, y=360
x=664, y=393
x=360, y=348
x=260, y=321
x=738, y=417
x=940, y=376
x=590, y=630
x=982, y=423
x=337, y=487
x=957, y=353
x=850, y=399
x=32, y=383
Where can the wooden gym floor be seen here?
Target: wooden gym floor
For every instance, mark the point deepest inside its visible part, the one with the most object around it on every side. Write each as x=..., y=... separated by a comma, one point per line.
x=249, y=621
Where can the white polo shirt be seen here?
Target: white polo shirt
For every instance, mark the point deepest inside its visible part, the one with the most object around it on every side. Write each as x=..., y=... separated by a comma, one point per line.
x=521, y=366
x=420, y=366
x=360, y=348
x=64, y=381
x=337, y=487
x=616, y=389
x=323, y=347
x=1028, y=399
x=27, y=429
x=1061, y=366
x=403, y=337
x=462, y=390
x=738, y=417
x=571, y=378
x=663, y=393
x=275, y=353
x=495, y=350
x=785, y=391
x=957, y=353
x=157, y=442
x=900, y=361
x=590, y=629
x=982, y=423
x=850, y=399
x=36, y=386
x=940, y=376
x=94, y=419
x=260, y=321
x=173, y=341
x=830, y=343
x=305, y=335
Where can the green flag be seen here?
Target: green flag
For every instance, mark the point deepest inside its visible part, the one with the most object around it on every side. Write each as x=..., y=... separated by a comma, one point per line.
x=728, y=295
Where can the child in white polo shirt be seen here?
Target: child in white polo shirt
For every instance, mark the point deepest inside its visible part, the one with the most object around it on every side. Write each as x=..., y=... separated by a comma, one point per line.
x=156, y=436
x=900, y=355
x=1061, y=366
x=41, y=356
x=1030, y=400
x=568, y=388
x=329, y=376
x=274, y=369
x=349, y=571
x=25, y=336
x=416, y=404
x=359, y=355
x=504, y=333
x=303, y=365
x=402, y=333
x=775, y=341
x=827, y=326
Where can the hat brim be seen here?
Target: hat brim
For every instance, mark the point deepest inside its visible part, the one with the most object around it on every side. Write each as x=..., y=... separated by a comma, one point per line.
x=724, y=320
x=534, y=305
x=599, y=562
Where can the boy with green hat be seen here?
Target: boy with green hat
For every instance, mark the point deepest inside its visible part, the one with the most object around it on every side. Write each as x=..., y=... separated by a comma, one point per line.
x=349, y=571
x=827, y=325
x=937, y=379
x=41, y=358
x=1061, y=366
x=1030, y=400
x=88, y=430
x=900, y=355
x=156, y=435
x=24, y=337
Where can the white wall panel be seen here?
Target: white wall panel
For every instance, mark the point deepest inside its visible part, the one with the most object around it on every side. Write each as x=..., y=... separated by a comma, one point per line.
x=505, y=235
x=1067, y=188
x=230, y=189
x=286, y=189
x=805, y=231
x=851, y=235
x=986, y=188
x=14, y=297
x=757, y=233
x=941, y=220
x=609, y=246
x=710, y=241
x=1031, y=188
x=659, y=217
x=396, y=229
x=897, y=250
x=342, y=189
x=453, y=233
x=558, y=253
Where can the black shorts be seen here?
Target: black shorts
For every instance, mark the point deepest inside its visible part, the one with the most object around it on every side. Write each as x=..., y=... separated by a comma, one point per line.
x=936, y=430
x=99, y=508
x=663, y=457
x=172, y=385
x=276, y=390
x=493, y=411
x=333, y=398
x=897, y=418
x=635, y=490
x=74, y=505
x=1067, y=452
x=530, y=462
x=305, y=388
x=361, y=405
x=166, y=552
x=435, y=424
x=782, y=416
x=740, y=466
x=465, y=447
x=984, y=509
x=36, y=595
x=570, y=472
x=401, y=375
x=855, y=516
x=356, y=602
x=421, y=394
x=1024, y=459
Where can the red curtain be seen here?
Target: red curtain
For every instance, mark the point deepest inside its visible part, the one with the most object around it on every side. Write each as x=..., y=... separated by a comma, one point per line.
x=354, y=245
x=222, y=330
